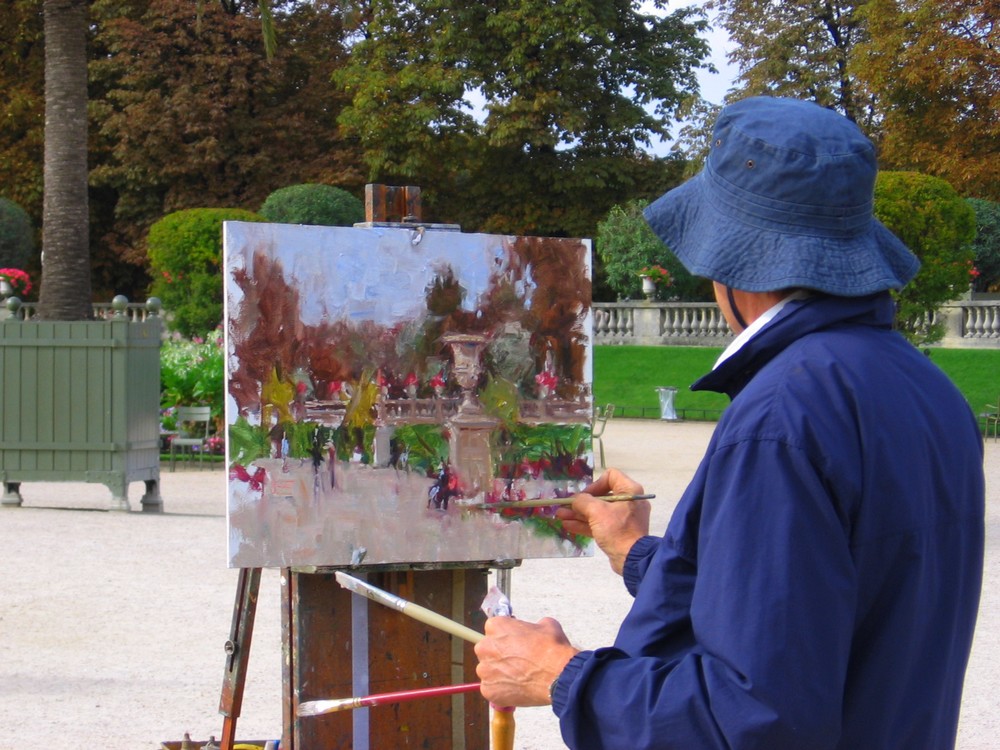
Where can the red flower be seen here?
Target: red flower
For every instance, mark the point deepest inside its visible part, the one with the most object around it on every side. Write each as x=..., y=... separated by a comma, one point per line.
x=659, y=275
x=19, y=281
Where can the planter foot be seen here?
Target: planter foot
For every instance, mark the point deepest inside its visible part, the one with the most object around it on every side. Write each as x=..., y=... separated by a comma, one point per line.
x=119, y=495
x=152, y=502
x=11, y=495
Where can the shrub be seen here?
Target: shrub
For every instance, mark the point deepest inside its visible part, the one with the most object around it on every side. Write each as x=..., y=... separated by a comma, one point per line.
x=185, y=256
x=986, y=246
x=192, y=374
x=17, y=237
x=310, y=203
x=938, y=226
x=626, y=244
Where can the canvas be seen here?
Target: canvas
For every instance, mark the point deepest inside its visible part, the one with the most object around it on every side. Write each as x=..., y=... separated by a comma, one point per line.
x=386, y=386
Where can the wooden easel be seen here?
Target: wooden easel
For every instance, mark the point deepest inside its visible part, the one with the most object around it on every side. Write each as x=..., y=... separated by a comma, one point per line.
x=338, y=645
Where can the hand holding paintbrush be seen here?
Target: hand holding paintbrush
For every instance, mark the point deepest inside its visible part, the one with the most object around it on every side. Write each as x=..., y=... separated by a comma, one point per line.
x=615, y=526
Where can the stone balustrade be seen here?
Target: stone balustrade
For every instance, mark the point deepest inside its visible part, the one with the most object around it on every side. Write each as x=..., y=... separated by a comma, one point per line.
x=660, y=323
x=119, y=308
x=968, y=324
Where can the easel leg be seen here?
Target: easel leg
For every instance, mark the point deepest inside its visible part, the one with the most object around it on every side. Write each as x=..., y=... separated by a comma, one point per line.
x=238, y=653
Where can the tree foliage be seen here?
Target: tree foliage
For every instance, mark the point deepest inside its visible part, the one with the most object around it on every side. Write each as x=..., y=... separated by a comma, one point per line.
x=311, y=203
x=936, y=67
x=22, y=105
x=17, y=236
x=938, y=226
x=921, y=77
x=186, y=110
x=192, y=114
x=185, y=254
x=625, y=244
x=986, y=246
x=570, y=91
x=800, y=48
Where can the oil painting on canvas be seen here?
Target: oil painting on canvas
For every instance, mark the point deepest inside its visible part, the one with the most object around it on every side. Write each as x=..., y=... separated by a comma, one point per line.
x=390, y=390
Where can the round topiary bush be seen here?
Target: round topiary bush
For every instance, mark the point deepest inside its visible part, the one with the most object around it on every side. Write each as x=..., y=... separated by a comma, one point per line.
x=185, y=257
x=17, y=237
x=311, y=203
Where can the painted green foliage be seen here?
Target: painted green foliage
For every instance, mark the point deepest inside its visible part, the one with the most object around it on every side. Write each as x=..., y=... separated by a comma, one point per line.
x=938, y=226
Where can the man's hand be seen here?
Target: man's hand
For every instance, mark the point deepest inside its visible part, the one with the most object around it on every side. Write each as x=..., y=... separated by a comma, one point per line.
x=614, y=526
x=518, y=660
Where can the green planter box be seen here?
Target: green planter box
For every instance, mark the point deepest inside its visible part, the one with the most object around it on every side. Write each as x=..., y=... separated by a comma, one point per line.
x=79, y=402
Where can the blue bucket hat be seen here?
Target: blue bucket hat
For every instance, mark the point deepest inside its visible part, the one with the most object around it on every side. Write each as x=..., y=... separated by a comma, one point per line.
x=785, y=200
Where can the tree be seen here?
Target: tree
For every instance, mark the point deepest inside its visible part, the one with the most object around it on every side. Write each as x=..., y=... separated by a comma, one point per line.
x=192, y=114
x=936, y=67
x=22, y=105
x=310, y=203
x=570, y=92
x=800, y=48
x=17, y=236
x=65, y=287
x=66, y=278
x=625, y=243
x=695, y=136
x=986, y=246
x=932, y=220
x=920, y=77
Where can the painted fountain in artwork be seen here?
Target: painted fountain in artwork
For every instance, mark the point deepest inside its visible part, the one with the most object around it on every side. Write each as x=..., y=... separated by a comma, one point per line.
x=386, y=385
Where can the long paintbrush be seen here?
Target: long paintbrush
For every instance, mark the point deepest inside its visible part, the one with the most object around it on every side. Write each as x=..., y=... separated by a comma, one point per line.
x=315, y=708
x=548, y=502
x=424, y=615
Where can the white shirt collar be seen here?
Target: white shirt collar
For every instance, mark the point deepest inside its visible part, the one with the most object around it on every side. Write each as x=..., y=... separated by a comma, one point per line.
x=754, y=328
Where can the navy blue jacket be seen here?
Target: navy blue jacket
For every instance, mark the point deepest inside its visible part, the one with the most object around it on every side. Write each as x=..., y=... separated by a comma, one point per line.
x=818, y=583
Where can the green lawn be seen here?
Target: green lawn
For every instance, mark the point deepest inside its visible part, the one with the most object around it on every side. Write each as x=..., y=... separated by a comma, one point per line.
x=628, y=376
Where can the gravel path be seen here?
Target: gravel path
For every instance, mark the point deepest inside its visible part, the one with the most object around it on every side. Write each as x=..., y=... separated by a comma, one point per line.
x=112, y=624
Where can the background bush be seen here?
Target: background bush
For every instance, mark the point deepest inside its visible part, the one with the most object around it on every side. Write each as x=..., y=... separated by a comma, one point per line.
x=17, y=237
x=185, y=256
x=938, y=226
x=192, y=373
x=311, y=203
x=625, y=244
x=986, y=246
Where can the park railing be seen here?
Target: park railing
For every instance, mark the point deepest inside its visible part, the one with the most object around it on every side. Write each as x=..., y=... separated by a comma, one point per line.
x=967, y=324
x=120, y=308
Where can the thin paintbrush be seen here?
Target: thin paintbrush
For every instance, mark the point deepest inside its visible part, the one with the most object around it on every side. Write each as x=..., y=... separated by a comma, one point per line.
x=424, y=615
x=315, y=708
x=547, y=502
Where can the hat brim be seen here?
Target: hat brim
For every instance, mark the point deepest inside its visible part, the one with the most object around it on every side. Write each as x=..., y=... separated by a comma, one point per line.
x=735, y=252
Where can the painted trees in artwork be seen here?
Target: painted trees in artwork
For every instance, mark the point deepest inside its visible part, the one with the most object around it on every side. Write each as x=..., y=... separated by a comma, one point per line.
x=530, y=314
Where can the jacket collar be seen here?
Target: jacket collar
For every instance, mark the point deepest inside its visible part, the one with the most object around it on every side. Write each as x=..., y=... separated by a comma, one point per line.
x=797, y=319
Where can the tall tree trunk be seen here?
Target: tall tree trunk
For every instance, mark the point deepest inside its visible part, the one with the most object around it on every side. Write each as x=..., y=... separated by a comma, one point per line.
x=65, y=287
